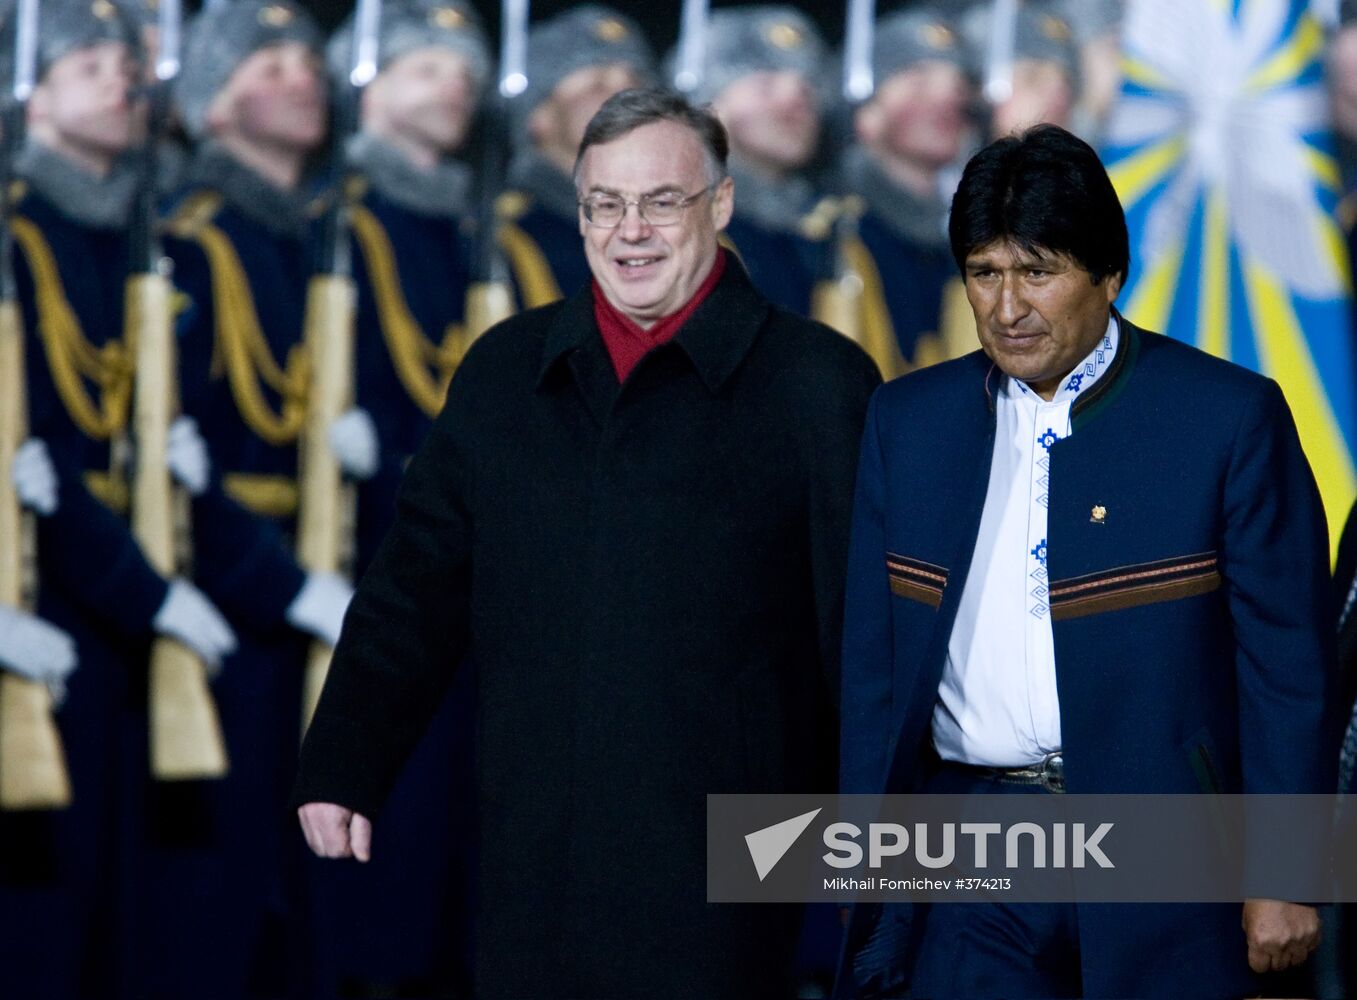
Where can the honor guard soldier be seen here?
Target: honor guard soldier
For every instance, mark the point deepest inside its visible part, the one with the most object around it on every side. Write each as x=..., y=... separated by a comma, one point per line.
x=411, y=205
x=910, y=129
x=1096, y=25
x=411, y=200
x=763, y=76
x=70, y=935
x=576, y=61
x=252, y=92
x=1045, y=87
x=1045, y=74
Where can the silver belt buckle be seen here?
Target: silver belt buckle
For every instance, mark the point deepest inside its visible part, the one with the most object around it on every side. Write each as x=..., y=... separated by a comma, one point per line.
x=1052, y=771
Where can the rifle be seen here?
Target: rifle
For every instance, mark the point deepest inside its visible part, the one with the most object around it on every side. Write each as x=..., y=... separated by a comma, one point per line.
x=186, y=738
x=488, y=298
x=326, y=516
x=1003, y=37
x=837, y=301
x=32, y=762
x=692, y=46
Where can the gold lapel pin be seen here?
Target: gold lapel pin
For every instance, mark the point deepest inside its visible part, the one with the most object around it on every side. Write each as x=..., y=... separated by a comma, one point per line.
x=1098, y=515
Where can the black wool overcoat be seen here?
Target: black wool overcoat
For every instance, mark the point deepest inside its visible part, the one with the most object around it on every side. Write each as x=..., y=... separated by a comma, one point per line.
x=649, y=580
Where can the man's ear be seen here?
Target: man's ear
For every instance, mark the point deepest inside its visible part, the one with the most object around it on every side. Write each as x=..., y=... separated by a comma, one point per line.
x=1113, y=285
x=723, y=203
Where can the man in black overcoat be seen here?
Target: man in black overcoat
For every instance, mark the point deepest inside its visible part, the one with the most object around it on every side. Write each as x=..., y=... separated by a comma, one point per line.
x=633, y=515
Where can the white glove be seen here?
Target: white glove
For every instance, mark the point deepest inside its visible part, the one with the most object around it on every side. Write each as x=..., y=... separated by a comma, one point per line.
x=35, y=648
x=353, y=439
x=35, y=478
x=186, y=455
x=187, y=615
x=319, y=606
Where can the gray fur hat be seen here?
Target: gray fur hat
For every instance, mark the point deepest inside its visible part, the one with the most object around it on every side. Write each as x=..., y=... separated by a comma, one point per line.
x=1043, y=34
x=141, y=13
x=589, y=35
x=1092, y=19
x=67, y=25
x=222, y=37
x=754, y=39
x=407, y=25
x=915, y=35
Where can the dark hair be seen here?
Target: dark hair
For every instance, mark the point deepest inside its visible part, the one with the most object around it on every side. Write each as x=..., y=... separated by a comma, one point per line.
x=630, y=109
x=1043, y=188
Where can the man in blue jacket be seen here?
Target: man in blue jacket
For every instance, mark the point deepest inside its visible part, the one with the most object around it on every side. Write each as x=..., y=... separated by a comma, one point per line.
x=1085, y=558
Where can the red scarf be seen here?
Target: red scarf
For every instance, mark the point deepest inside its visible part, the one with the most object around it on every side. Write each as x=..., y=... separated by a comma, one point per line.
x=627, y=341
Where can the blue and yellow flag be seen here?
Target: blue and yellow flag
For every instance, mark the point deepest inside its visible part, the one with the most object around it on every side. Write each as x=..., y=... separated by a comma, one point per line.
x=1219, y=147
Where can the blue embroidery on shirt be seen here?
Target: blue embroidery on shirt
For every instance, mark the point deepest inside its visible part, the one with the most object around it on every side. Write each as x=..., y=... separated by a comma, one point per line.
x=1040, y=551
x=1047, y=439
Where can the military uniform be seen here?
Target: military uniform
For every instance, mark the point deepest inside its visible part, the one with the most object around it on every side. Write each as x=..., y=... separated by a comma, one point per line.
x=224, y=883
x=902, y=254
x=539, y=231
x=241, y=262
x=66, y=911
x=67, y=878
x=412, y=267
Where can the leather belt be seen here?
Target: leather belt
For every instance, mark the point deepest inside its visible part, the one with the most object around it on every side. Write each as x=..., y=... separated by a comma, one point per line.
x=1049, y=773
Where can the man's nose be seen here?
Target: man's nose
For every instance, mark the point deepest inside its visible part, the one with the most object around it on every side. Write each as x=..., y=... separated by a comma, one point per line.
x=1012, y=303
x=633, y=226
x=300, y=81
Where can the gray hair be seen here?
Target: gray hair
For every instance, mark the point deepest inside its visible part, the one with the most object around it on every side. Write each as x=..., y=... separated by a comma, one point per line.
x=628, y=110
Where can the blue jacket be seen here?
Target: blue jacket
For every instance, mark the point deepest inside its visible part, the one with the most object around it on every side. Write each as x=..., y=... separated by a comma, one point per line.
x=1192, y=634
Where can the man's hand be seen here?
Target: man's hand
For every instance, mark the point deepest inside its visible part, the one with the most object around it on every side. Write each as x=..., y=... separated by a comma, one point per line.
x=336, y=832
x=1279, y=934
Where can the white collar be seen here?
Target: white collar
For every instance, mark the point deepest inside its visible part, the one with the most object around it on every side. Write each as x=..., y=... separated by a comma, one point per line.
x=1080, y=378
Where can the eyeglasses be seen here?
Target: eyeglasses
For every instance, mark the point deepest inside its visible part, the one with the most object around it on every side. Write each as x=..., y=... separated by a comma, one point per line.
x=607, y=210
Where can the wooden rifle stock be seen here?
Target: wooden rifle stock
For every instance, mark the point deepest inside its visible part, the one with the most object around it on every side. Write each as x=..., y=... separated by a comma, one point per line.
x=837, y=301
x=32, y=762
x=325, y=515
x=186, y=739
x=487, y=303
